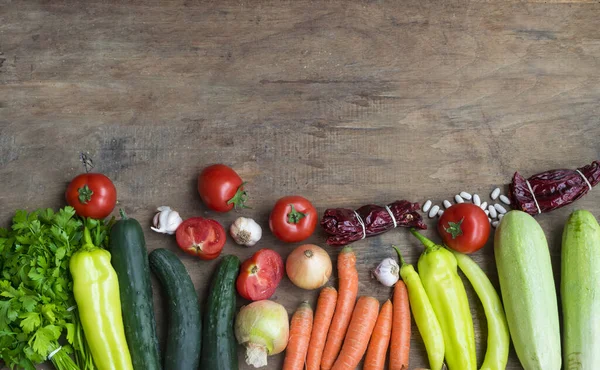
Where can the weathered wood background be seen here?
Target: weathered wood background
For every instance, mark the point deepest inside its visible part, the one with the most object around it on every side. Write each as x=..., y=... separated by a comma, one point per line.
x=344, y=102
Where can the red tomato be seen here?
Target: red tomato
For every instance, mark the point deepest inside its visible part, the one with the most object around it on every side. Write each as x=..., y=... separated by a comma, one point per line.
x=260, y=275
x=293, y=219
x=92, y=195
x=221, y=188
x=464, y=227
x=201, y=237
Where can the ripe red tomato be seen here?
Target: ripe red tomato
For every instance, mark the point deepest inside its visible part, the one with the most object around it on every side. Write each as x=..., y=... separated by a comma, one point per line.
x=464, y=227
x=92, y=195
x=201, y=237
x=293, y=219
x=221, y=188
x=260, y=275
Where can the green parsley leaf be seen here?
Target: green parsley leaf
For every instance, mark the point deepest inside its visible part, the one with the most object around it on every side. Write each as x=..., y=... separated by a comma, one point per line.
x=30, y=321
x=43, y=338
x=70, y=332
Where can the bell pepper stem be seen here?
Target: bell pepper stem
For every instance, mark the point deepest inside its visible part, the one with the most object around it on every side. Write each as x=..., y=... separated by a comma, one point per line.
x=402, y=263
x=88, y=244
x=429, y=245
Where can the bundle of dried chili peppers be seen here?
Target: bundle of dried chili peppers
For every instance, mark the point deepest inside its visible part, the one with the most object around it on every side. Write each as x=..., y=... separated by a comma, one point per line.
x=346, y=226
x=552, y=189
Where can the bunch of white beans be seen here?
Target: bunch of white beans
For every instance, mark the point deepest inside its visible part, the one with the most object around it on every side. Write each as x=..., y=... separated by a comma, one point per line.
x=494, y=211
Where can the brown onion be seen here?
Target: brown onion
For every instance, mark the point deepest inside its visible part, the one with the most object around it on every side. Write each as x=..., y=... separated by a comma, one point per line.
x=308, y=266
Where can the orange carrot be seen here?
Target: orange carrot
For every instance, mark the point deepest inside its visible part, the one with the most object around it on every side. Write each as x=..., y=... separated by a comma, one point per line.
x=380, y=339
x=347, y=292
x=400, y=341
x=323, y=315
x=361, y=327
x=300, y=328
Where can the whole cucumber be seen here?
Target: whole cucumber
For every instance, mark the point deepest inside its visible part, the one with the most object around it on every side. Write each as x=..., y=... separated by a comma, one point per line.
x=528, y=291
x=219, y=346
x=580, y=291
x=184, y=331
x=130, y=261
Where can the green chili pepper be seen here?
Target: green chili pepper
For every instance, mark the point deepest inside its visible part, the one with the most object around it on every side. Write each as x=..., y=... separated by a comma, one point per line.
x=439, y=274
x=424, y=315
x=496, y=355
x=96, y=291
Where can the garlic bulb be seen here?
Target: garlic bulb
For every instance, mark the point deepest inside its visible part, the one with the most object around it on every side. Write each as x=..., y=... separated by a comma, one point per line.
x=387, y=272
x=245, y=231
x=166, y=220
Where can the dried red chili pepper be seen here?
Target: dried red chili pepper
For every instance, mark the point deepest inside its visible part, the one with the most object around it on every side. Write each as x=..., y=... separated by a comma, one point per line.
x=346, y=226
x=552, y=189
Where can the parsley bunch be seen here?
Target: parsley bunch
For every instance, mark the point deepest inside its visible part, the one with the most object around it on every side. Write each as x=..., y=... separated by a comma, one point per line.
x=37, y=307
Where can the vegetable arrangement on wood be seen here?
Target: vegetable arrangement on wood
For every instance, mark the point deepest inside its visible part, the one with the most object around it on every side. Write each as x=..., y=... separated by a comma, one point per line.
x=73, y=283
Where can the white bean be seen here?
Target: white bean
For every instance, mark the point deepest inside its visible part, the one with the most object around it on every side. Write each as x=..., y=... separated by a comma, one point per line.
x=486, y=212
x=499, y=208
x=433, y=211
x=483, y=206
x=489, y=220
x=440, y=212
x=426, y=206
x=465, y=195
x=458, y=199
x=447, y=204
x=504, y=199
x=492, y=210
x=476, y=200
x=495, y=193
x=495, y=223
x=500, y=216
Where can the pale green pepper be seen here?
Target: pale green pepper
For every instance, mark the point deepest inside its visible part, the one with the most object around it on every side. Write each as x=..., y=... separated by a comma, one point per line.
x=439, y=274
x=96, y=291
x=423, y=313
x=498, y=340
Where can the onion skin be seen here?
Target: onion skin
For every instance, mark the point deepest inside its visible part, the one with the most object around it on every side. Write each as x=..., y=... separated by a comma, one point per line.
x=308, y=266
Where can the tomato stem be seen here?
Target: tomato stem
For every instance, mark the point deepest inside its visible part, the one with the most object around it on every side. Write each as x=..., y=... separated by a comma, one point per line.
x=239, y=199
x=85, y=194
x=454, y=228
x=294, y=216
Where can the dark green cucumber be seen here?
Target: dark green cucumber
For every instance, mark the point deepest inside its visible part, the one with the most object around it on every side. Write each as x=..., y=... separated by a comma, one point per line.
x=219, y=347
x=185, y=322
x=130, y=260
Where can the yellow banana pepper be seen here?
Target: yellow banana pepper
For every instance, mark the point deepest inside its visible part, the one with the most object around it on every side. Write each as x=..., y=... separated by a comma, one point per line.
x=96, y=291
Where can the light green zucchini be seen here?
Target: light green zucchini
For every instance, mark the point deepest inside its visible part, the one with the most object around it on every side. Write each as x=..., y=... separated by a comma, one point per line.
x=580, y=291
x=528, y=291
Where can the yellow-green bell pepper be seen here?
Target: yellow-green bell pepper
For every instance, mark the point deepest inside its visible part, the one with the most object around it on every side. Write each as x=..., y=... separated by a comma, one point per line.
x=96, y=291
x=439, y=274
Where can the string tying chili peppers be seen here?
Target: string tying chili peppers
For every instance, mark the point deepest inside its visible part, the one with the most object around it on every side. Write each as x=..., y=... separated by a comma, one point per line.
x=553, y=189
x=346, y=225
x=364, y=230
x=392, y=216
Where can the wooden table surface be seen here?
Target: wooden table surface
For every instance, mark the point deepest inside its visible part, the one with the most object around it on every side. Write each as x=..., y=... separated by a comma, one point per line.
x=343, y=102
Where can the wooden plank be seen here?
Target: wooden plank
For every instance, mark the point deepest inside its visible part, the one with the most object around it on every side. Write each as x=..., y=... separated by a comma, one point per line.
x=346, y=103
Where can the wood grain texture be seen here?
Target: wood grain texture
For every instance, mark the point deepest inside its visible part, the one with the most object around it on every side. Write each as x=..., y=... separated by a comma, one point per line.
x=344, y=102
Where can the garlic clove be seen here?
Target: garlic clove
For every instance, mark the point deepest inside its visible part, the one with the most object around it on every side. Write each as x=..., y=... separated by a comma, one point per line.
x=245, y=231
x=166, y=220
x=387, y=272
x=173, y=222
